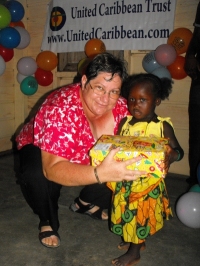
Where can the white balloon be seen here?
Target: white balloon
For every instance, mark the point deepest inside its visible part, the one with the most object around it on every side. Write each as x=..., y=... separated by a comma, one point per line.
x=27, y=66
x=2, y=65
x=20, y=77
x=188, y=209
x=25, y=37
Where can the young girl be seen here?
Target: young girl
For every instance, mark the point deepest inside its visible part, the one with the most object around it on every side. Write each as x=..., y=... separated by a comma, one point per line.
x=138, y=212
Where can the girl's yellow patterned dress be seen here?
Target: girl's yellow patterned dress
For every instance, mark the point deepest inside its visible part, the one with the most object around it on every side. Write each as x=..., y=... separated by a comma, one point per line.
x=139, y=207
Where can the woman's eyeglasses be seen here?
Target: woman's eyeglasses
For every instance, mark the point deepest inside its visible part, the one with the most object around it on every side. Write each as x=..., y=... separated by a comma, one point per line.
x=98, y=90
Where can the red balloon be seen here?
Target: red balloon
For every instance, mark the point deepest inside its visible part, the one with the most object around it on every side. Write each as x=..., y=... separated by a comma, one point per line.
x=43, y=77
x=6, y=53
x=17, y=23
x=176, y=69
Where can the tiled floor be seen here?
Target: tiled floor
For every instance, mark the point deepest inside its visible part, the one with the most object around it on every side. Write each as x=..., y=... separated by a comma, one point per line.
x=85, y=242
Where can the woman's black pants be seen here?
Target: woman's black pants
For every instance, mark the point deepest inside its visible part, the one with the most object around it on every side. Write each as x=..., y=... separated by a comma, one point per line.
x=42, y=195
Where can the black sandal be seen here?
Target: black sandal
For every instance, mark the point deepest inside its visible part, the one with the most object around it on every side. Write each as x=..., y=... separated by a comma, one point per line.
x=84, y=209
x=46, y=234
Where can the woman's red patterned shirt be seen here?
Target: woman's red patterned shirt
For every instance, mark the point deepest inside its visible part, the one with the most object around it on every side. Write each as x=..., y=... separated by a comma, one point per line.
x=60, y=126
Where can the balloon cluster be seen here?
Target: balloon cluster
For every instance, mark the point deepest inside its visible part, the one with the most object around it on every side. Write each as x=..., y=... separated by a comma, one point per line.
x=92, y=48
x=166, y=60
x=13, y=35
x=32, y=73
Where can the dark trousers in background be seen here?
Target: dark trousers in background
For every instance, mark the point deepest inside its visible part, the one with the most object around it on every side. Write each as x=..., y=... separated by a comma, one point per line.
x=194, y=128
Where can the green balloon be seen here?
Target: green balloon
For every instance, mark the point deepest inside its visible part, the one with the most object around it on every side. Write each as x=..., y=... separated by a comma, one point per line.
x=5, y=17
x=29, y=85
x=195, y=188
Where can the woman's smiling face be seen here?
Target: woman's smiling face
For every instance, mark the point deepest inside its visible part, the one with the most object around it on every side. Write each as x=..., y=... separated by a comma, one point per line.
x=110, y=87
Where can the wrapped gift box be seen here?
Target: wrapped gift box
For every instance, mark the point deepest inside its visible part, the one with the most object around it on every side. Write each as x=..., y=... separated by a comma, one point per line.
x=151, y=149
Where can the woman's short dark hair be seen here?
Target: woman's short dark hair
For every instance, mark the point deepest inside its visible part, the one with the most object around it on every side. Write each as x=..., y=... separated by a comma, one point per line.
x=108, y=63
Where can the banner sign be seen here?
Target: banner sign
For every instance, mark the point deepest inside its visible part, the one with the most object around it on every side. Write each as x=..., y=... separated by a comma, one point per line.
x=120, y=24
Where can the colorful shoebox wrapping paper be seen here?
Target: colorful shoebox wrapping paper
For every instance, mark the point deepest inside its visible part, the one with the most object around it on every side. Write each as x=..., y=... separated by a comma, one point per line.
x=151, y=149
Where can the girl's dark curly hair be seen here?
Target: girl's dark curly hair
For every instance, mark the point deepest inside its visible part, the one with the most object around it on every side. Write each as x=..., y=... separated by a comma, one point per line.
x=161, y=87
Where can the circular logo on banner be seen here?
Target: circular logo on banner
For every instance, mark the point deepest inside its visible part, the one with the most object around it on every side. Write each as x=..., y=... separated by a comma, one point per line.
x=57, y=19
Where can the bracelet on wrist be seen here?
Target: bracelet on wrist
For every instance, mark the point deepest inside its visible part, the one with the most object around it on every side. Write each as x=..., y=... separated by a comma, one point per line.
x=179, y=155
x=96, y=175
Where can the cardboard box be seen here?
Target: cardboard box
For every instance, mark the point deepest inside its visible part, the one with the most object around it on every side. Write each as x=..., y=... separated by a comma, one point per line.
x=151, y=149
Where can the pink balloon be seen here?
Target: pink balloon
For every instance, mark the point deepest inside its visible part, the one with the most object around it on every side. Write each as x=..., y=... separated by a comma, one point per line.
x=165, y=54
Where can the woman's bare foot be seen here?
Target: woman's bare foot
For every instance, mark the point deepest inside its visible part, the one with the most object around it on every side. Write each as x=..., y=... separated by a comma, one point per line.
x=51, y=241
x=131, y=257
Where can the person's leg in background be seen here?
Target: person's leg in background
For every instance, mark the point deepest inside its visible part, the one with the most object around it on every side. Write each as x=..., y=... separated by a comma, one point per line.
x=194, y=130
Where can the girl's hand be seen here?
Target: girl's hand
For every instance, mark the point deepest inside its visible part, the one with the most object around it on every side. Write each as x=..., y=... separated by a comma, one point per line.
x=170, y=157
x=111, y=170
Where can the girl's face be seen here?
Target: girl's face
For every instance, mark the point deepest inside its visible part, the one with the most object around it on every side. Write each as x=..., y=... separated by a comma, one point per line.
x=142, y=102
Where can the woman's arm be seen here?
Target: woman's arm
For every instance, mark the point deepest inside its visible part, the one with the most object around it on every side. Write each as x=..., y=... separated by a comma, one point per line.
x=61, y=171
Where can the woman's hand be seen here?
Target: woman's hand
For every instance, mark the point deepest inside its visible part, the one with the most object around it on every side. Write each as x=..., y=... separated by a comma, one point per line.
x=112, y=170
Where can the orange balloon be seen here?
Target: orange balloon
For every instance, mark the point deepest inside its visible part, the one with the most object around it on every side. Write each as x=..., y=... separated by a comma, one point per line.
x=17, y=23
x=176, y=69
x=94, y=47
x=47, y=60
x=180, y=39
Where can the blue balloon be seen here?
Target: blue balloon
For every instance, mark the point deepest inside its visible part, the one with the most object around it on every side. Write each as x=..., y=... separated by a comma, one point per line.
x=198, y=173
x=29, y=85
x=149, y=62
x=162, y=72
x=16, y=10
x=9, y=37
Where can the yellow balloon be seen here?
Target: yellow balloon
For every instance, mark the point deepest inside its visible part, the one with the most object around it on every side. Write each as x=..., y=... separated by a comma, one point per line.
x=83, y=64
